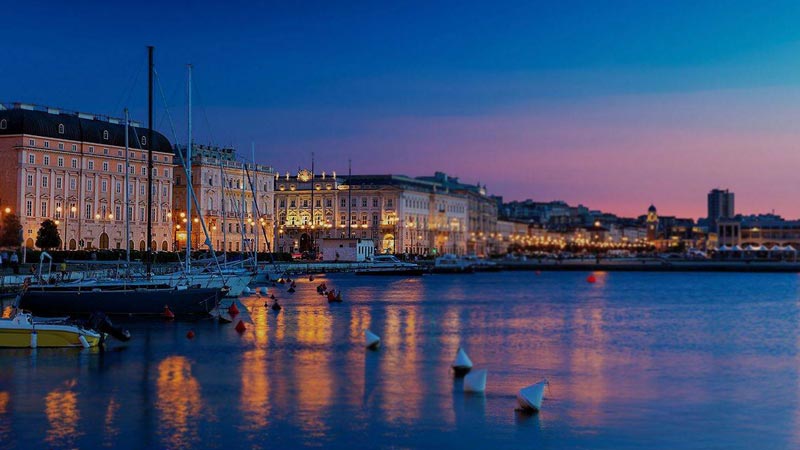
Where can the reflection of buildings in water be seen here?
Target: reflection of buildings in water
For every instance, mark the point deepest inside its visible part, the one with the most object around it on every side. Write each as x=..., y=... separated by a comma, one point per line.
x=588, y=365
x=111, y=430
x=5, y=421
x=402, y=388
x=254, y=398
x=360, y=320
x=179, y=402
x=314, y=379
x=61, y=408
x=313, y=326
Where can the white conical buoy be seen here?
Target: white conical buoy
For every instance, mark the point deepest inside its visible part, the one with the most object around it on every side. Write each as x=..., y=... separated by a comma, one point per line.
x=246, y=291
x=372, y=340
x=530, y=398
x=263, y=290
x=475, y=381
x=462, y=363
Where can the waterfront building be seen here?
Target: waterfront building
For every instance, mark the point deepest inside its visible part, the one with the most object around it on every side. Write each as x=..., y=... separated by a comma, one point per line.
x=720, y=206
x=398, y=214
x=70, y=167
x=652, y=223
x=481, y=212
x=225, y=188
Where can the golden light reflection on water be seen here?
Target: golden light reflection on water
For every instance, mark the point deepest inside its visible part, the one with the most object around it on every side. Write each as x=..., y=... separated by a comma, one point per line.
x=254, y=398
x=314, y=386
x=313, y=326
x=5, y=421
x=179, y=402
x=401, y=383
x=111, y=430
x=61, y=408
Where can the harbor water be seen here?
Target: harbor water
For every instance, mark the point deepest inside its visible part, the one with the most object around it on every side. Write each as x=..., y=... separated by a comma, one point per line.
x=635, y=361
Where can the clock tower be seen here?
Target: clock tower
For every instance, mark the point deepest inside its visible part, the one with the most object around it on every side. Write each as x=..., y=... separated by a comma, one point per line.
x=652, y=223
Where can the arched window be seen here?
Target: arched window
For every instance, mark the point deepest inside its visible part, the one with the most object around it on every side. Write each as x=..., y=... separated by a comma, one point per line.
x=61, y=128
x=144, y=140
x=105, y=135
x=3, y=124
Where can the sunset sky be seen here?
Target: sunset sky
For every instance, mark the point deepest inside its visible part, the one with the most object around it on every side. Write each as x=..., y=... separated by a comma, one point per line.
x=613, y=105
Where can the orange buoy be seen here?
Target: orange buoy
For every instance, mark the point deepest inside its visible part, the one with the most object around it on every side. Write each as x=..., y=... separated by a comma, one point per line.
x=331, y=296
x=240, y=327
x=233, y=310
x=591, y=279
x=190, y=335
x=311, y=278
x=538, y=272
x=167, y=314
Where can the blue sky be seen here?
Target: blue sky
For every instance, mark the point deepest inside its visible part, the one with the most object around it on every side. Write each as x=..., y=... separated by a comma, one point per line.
x=551, y=100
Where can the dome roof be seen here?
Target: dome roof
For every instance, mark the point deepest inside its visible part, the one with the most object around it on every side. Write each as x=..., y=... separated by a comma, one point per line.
x=651, y=209
x=76, y=127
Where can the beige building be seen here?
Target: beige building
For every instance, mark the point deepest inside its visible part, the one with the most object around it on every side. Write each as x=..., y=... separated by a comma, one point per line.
x=399, y=214
x=225, y=190
x=70, y=167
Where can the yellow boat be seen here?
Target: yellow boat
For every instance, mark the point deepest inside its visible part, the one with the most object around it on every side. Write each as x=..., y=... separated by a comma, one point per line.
x=22, y=330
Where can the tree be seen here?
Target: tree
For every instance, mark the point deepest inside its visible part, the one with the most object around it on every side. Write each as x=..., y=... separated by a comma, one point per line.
x=11, y=233
x=47, y=237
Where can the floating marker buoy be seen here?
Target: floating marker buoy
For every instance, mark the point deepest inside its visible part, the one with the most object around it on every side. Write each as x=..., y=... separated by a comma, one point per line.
x=462, y=364
x=372, y=340
x=290, y=290
x=331, y=297
x=530, y=398
x=233, y=310
x=276, y=306
x=240, y=327
x=591, y=279
x=263, y=290
x=339, y=296
x=538, y=272
x=167, y=314
x=475, y=381
x=190, y=335
x=311, y=278
x=246, y=291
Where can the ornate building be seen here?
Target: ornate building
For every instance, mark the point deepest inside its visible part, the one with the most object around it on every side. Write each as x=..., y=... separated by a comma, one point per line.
x=70, y=167
x=225, y=189
x=306, y=208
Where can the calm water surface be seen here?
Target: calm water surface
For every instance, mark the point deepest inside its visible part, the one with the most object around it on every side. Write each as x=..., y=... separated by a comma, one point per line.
x=635, y=361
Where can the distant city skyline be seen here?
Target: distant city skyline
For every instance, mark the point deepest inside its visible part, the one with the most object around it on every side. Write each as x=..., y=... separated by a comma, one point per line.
x=611, y=106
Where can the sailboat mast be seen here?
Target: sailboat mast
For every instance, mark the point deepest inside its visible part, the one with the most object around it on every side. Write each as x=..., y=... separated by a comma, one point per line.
x=312, y=209
x=349, y=198
x=188, y=168
x=224, y=231
x=125, y=196
x=150, y=70
x=242, y=208
x=254, y=186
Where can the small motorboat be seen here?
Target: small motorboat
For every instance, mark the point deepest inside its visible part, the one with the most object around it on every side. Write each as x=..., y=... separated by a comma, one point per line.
x=530, y=398
x=462, y=363
x=22, y=330
x=475, y=381
x=372, y=340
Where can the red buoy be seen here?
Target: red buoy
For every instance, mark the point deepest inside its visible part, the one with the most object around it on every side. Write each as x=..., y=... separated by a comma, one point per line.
x=538, y=272
x=311, y=278
x=233, y=310
x=591, y=279
x=167, y=314
x=240, y=327
x=190, y=335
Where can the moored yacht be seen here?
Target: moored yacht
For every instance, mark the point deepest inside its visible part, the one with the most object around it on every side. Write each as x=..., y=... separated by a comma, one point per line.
x=389, y=265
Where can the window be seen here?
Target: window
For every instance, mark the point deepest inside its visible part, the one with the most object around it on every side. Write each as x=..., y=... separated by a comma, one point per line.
x=164, y=191
x=91, y=149
x=318, y=203
x=118, y=188
x=155, y=172
x=89, y=185
x=32, y=142
x=29, y=208
x=141, y=189
x=74, y=163
x=141, y=214
x=60, y=162
x=43, y=209
x=58, y=210
x=61, y=128
x=343, y=203
x=91, y=165
x=119, y=153
x=87, y=211
x=59, y=183
x=117, y=212
x=3, y=124
x=166, y=173
x=131, y=170
x=30, y=180
x=342, y=220
x=374, y=220
x=105, y=151
x=305, y=203
x=72, y=210
x=46, y=160
x=31, y=159
x=374, y=202
x=119, y=168
x=329, y=203
x=282, y=203
x=389, y=203
x=45, y=181
x=292, y=204
x=61, y=146
x=105, y=137
x=364, y=202
x=144, y=170
x=103, y=186
x=144, y=140
x=105, y=166
x=74, y=147
x=46, y=144
x=73, y=183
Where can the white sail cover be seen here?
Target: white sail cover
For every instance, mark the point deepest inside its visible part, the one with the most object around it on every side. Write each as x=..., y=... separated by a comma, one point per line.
x=462, y=361
x=371, y=339
x=475, y=381
x=724, y=248
x=789, y=249
x=531, y=397
x=736, y=248
x=776, y=248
